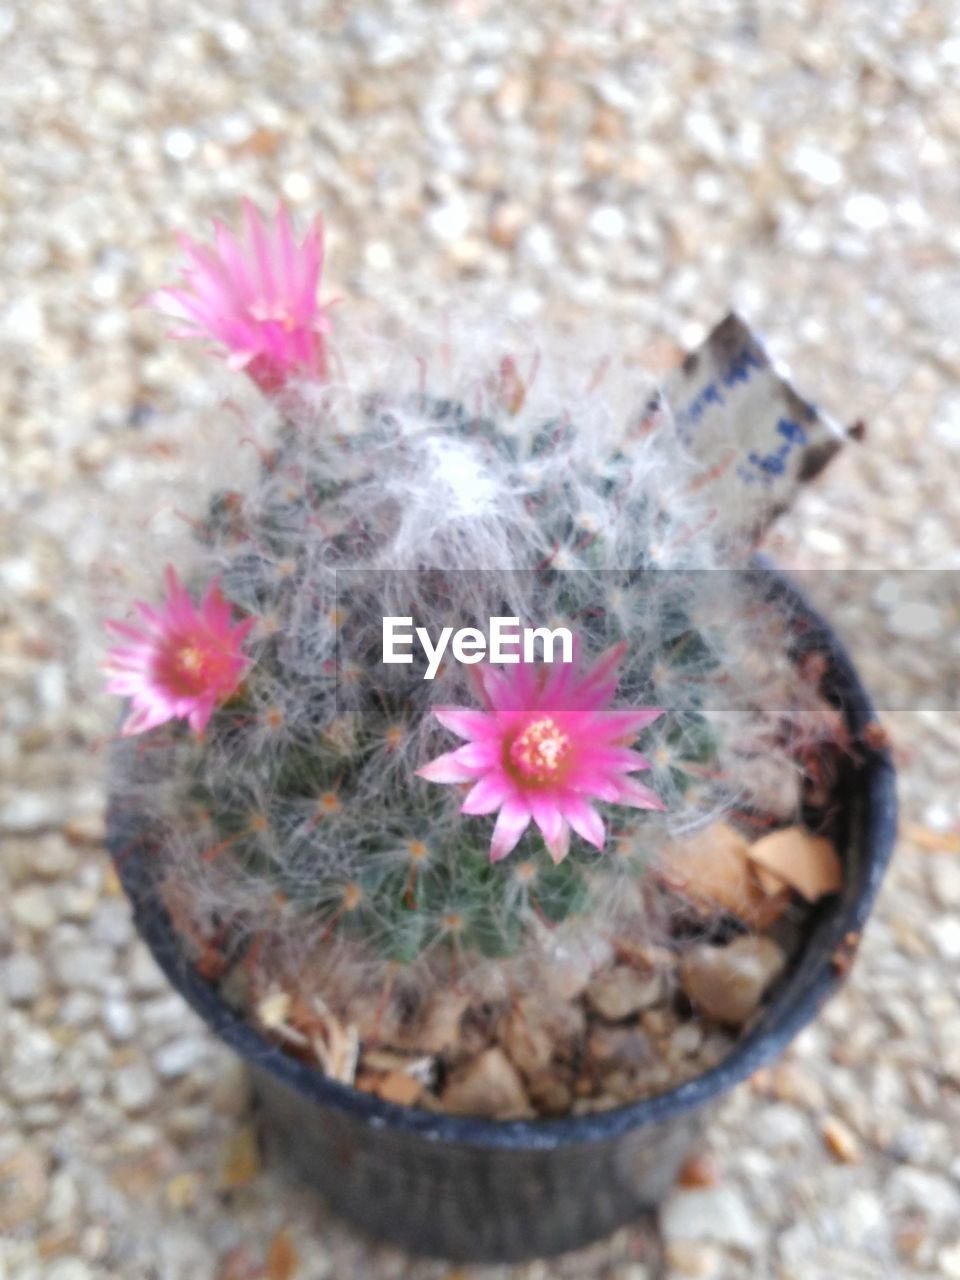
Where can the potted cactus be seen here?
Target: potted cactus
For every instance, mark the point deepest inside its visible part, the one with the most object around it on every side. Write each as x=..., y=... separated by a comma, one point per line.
x=475, y=784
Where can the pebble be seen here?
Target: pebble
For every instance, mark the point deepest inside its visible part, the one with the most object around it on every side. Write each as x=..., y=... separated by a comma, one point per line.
x=945, y=882
x=78, y=1008
x=923, y=1191
x=572, y=965
x=817, y=164
x=438, y=1028
x=77, y=903
x=134, y=1087
x=866, y=211
x=24, y=978
x=508, y=221
x=146, y=976
x=687, y=1258
x=180, y=1056
x=30, y=811
x=728, y=983
x=719, y=1214
x=618, y=1048
x=23, y=1188
x=69, y=1269
x=623, y=991
x=841, y=1140
x=83, y=966
x=698, y=1170
x=489, y=1085
x=537, y=1028
x=120, y=1020
x=915, y=620
x=63, y=1200
x=946, y=937
x=33, y=908
x=44, y=857
x=183, y=1191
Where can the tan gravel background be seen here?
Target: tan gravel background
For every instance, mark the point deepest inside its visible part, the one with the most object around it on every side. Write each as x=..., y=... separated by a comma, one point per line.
x=633, y=164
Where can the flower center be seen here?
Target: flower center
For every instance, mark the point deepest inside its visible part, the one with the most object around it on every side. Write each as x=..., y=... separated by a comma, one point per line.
x=538, y=753
x=190, y=660
x=272, y=313
x=190, y=669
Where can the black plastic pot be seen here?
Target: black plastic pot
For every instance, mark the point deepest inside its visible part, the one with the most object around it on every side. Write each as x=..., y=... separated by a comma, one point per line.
x=478, y=1190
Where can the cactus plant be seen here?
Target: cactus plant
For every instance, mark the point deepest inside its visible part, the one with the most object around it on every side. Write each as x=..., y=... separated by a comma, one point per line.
x=315, y=809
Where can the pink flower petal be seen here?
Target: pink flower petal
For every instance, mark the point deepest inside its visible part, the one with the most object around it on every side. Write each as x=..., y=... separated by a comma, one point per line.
x=596, y=783
x=638, y=796
x=627, y=723
x=466, y=722
x=478, y=755
x=545, y=811
x=513, y=820
x=446, y=768
x=256, y=296
x=585, y=820
x=546, y=744
x=487, y=795
x=620, y=759
x=186, y=663
x=559, y=847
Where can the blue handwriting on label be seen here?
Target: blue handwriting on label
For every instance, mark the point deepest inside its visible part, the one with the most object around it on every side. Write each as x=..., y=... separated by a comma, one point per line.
x=740, y=369
x=765, y=467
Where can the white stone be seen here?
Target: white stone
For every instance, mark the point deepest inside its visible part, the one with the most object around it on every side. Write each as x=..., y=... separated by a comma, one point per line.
x=76, y=902
x=866, y=211
x=179, y=1056
x=64, y=1197
x=718, y=1214
x=928, y=1193
x=449, y=221
x=525, y=303
x=134, y=1087
x=112, y=923
x=146, y=976
x=179, y=144
x=608, y=222
x=379, y=255
x=946, y=937
x=945, y=881
x=729, y=982
x=120, y=1020
x=819, y=166
x=23, y=978
x=915, y=620
x=68, y=1269
x=78, y=1008
x=32, y=908
x=83, y=966
x=702, y=128
x=30, y=810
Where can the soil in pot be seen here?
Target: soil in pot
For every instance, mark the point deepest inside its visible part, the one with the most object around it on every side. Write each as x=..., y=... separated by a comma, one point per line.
x=604, y=1021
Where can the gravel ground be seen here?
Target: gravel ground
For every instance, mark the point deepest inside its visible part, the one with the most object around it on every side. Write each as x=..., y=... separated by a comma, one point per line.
x=641, y=165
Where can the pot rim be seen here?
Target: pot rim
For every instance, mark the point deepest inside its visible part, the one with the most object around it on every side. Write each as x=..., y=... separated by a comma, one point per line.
x=795, y=1005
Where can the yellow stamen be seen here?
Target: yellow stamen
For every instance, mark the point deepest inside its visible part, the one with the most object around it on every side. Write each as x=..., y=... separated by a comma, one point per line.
x=538, y=753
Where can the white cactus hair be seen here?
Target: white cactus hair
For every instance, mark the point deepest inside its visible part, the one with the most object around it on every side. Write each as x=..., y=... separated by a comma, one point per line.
x=488, y=453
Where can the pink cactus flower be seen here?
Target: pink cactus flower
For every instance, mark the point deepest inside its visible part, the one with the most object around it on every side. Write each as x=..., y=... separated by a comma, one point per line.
x=182, y=663
x=255, y=295
x=546, y=744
